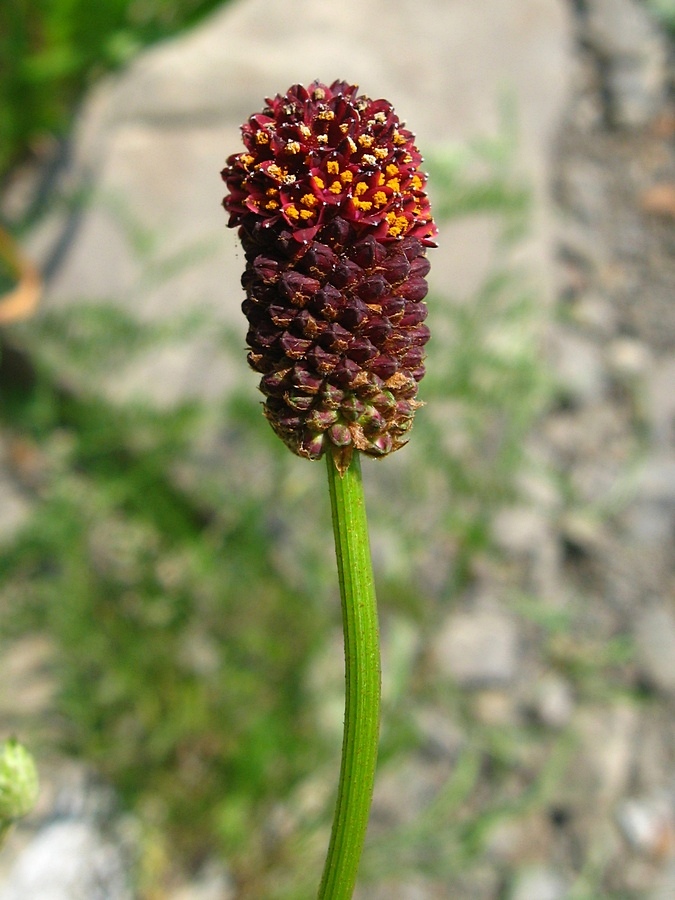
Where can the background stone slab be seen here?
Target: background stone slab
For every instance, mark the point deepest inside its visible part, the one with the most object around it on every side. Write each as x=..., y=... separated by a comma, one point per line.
x=146, y=154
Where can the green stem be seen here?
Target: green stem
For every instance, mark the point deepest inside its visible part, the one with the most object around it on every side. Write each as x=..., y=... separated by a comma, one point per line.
x=362, y=679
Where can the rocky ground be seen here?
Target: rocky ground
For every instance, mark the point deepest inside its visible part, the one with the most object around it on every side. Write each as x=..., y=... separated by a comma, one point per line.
x=593, y=537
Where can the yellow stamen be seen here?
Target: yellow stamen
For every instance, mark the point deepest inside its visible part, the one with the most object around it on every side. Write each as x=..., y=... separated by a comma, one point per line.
x=272, y=192
x=347, y=177
x=306, y=213
x=322, y=138
x=292, y=212
x=360, y=188
x=399, y=140
x=344, y=128
x=292, y=147
x=407, y=158
x=305, y=130
x=366, y=140
x=381, y=152
x=272, y=204
x=332, y=167
x=394, y=184
x=380, y=198
x=262, y=137
x=391, y=170
x=336, y=187
x=326, y=115
x=397, y=224
x=319, y=182
x=363, y=204
x=416, y=183
x=309, y=200
x=246, y=159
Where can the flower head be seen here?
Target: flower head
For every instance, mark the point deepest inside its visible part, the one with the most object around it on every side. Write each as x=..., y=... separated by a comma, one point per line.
x=335, y=221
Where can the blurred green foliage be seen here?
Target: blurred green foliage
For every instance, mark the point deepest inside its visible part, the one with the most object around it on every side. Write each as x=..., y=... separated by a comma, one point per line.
x=664, y=11
x=181, y=563
x=52, y=50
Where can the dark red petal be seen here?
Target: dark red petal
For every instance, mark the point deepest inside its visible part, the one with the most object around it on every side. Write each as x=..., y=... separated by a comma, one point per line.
x=367, y=252
x=383, y=366
x=372, y=288
x=336, y=338
x=395, y=267
x=414, y=289
x=294, y=347
x=345, y=372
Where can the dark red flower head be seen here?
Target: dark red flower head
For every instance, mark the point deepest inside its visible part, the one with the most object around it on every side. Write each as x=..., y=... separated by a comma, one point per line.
x=335, y=222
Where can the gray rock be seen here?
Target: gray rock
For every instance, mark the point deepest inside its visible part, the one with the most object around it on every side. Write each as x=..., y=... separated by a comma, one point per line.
x=477, y=649
x=404, y=789
x=627, y=41
x=650, y=523
x=553, y=701
x=68, y=860
x=656, y=480
x=655, y=638
x=539, y=883
x=665, y=888
x=578, y=366
x=661, y=402
x=213, y=883
x=520, y=530
x=647, y=824
x=441, y=738
x=150, y=143
x=604, y=766
x=629, y=358
x=409, y=889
